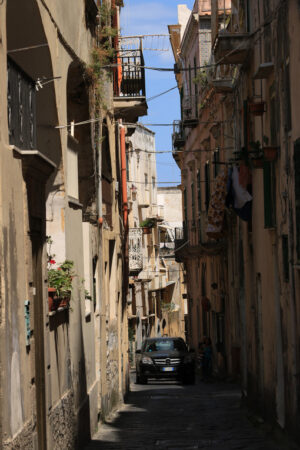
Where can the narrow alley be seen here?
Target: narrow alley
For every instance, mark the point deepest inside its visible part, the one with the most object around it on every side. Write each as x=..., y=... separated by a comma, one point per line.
x=166, y=415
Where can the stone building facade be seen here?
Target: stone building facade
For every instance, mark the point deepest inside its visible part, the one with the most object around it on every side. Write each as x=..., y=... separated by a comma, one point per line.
x=62, y=198
x=241, y=136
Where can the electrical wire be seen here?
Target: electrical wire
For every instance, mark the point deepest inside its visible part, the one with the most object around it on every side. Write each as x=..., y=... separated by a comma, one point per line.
x=162, y=93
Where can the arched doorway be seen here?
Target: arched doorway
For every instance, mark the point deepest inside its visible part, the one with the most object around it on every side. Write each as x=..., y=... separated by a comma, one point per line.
x=32, y=117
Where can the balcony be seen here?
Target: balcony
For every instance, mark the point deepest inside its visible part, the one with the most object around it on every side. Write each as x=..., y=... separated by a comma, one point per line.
x=144, y=199
x=129, y=86
x=224, y=77
x=189, y=244
x=190, y=111
x=231, y=48
x=178, y=139
x=156, y=213
x=135, y=250
x=21, y=106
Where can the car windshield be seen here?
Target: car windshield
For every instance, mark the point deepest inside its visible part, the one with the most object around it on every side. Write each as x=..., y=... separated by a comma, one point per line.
x=164, y=345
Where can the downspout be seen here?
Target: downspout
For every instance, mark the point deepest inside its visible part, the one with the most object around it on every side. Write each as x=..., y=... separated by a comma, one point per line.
x=125, y=209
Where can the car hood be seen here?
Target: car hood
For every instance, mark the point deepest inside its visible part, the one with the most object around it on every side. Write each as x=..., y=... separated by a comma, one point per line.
x=169, y=354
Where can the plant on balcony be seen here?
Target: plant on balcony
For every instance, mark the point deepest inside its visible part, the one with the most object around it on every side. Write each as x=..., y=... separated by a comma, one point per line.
x=147, y=225
x=61, y=278
x=257, y=108
x=201, y=78
x=270, y=152
x=256, y=154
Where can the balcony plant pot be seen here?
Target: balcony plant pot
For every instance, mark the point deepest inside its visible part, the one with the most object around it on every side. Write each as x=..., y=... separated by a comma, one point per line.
x=257, y=163
x=257, y=108
x=270, y=153
x=53, y=301
x=64, y=303
x=146, y=230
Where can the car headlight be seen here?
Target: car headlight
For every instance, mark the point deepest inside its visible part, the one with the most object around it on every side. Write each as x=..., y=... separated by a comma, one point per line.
x=188, y=359
x=146, y=360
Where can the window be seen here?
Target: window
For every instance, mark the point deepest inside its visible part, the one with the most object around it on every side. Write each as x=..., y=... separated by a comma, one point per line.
x=153, y=183
x=285, y=257
x=216, y=161
x=196, y=88
x=297, y=194
x=269, y=195
x=199, y=191
x=146, y=181
x=199, y=203
x=287, y=102
x=193, y=204
x=185, y=211
x=207, y=185
x=21, y=107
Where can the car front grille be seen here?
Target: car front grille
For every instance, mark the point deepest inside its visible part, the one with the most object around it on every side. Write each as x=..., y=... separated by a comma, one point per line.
x=167, y=361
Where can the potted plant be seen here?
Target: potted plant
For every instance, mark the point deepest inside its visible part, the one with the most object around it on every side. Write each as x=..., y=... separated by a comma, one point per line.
x=270, y=152
x=147, y=225
x=60, y=285
x=257, y=108
x=53, y=301
x=256, y=155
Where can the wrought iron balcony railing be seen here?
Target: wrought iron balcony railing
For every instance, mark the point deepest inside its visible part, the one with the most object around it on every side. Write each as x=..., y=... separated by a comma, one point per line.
x=132, y=75
x=178, y=136
x=190, y=110
x=21, y=108
x=135, y=250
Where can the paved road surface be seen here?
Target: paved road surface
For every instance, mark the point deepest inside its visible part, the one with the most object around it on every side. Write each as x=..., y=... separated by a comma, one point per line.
x=169, y=416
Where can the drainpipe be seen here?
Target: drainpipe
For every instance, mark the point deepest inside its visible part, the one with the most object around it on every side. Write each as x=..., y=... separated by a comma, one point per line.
x=124, y=178
x=125, y=210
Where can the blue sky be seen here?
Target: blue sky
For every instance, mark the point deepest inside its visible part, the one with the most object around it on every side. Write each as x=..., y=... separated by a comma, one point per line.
x=140, y=17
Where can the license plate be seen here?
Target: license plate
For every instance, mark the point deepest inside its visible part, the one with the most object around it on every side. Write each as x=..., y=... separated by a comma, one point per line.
x=168, y=369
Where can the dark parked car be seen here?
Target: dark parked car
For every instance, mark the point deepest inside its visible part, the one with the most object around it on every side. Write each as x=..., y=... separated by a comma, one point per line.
x=165, y=358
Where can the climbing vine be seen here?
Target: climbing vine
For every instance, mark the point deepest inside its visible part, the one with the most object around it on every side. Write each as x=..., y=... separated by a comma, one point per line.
x=103, y=53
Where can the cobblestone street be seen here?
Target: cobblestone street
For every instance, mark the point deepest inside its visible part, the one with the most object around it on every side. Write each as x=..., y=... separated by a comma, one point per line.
x=167, y=415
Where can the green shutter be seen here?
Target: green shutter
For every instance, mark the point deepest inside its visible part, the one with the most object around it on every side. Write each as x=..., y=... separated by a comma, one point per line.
x=207, y=185
x=269, y=195
x=285, y=257
x=199, y=192
x=297, y=194
x=193, y=203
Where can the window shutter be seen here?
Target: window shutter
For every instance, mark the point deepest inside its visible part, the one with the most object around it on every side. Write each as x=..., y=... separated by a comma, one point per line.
x=185, y=210
x=193, y=203
x=285, y=257
x=269, y=195
x=207, y=185
x=297, y=194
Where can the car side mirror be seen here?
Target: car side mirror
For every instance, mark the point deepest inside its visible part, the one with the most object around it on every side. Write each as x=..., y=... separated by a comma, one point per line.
x=138, y=351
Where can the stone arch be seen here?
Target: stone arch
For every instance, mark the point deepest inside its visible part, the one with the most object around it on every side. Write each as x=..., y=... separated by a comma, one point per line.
x=25, y=31
x=37, y=144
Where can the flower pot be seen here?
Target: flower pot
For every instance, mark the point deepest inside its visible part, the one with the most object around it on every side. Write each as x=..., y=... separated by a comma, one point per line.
x=63, y=303
x=270, y=153
x=53, y=301
x=146, y=230
x=257, y=109
x=257, y=163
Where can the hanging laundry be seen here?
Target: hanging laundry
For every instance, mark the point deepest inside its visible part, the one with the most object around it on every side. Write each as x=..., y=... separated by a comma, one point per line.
x=244, y=175
x=215, y=218
x=241, y=195
x=237, y=196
